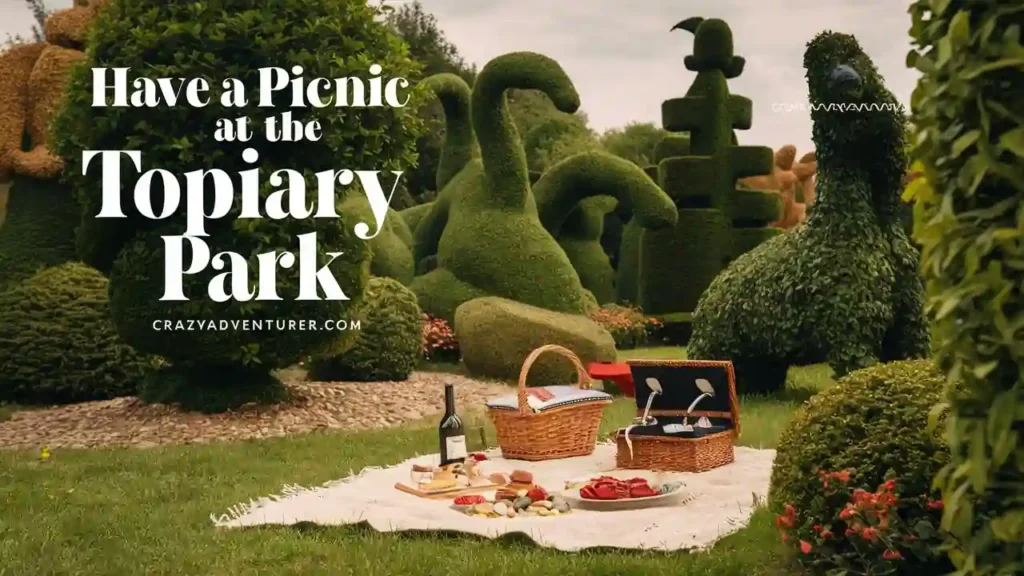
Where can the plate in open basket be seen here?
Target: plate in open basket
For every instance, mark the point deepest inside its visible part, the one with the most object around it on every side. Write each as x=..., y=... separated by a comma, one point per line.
x=676, y=496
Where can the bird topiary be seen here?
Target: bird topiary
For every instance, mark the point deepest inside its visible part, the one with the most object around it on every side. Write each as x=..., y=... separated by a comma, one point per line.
x=493, y=242
x=844, y=288
x=413, y=216
x=232, y=39
x=563, y=197
x=874, y=424
x=57, y=343
x=460, y=147
x=717, y=222
x=496, y=335
x=391, y=246
x=580, y=238
x=388, y=345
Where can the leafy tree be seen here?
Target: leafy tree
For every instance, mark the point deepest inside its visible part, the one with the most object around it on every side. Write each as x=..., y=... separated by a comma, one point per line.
x=634, y=142
x=556, y=138
x=233, y=41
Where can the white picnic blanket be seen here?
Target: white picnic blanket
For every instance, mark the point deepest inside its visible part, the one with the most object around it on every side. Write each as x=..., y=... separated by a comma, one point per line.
x=720, y=502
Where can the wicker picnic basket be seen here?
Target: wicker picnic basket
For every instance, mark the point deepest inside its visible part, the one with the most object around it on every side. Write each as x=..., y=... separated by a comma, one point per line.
x=664, y=453
x=556, y=433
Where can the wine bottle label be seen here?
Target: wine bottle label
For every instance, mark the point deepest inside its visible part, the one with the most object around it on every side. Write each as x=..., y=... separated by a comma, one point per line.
x=456, y=447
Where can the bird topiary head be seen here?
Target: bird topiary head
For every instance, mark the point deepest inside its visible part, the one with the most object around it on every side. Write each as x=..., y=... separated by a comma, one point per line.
x=858, y=123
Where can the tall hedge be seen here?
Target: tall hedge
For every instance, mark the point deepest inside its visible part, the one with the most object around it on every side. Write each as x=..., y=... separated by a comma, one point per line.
x=216, y=41
x=968, y=113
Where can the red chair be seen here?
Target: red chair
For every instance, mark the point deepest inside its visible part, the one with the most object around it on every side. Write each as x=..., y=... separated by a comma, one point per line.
x=617, y=373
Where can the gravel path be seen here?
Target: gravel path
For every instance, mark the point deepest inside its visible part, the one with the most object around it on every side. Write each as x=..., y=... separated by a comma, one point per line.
x=335, y=405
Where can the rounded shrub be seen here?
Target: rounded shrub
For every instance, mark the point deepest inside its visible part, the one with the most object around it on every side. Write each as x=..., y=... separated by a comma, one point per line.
x=389, y=341
x=57, y=343
x=496, y=335
x=232, y=39
x=874, y=425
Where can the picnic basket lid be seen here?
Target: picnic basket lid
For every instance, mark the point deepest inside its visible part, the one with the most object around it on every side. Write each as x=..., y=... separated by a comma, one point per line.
x=679, y=389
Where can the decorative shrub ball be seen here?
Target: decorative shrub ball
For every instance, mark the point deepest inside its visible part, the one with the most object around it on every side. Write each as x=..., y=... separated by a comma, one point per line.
x=874, y=423
x=388, y=342
x=57, y=343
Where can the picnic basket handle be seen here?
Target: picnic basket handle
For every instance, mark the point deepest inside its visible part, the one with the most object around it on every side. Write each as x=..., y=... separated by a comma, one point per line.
x=583, y=380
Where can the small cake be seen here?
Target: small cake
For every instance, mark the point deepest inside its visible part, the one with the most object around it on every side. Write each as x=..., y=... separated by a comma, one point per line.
x=521, y=477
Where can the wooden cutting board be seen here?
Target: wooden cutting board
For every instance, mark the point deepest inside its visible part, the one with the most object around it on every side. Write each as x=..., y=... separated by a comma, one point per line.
x=446, y=494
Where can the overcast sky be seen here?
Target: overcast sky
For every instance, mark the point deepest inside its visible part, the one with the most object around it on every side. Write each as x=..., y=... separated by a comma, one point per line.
x=625, y=62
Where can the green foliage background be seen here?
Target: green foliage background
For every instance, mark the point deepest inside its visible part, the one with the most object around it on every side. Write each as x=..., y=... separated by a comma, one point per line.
x=968, y=112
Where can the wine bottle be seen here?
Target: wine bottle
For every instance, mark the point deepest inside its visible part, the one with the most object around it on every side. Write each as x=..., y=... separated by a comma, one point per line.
x=450, y=431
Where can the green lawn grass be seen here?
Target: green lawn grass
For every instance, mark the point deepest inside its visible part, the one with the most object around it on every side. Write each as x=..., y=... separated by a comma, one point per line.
x=128, y=511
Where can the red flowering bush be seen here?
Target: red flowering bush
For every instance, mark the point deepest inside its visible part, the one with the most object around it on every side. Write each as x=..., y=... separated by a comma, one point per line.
x=439, y=343
x=628, y=326
x=875, y=533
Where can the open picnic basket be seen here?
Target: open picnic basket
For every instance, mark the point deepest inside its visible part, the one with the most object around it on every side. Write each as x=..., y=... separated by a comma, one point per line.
x=707, y=446
x=565, y=428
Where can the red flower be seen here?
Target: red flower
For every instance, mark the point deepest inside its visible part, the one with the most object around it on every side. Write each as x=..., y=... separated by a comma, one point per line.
x=816, y=527
x=935, y=505
x=888, y=486
x=843, y=476
x=847, y=513
x=850, y=531
x=891, y=555
x=805, y=547
x=870, y=534
x=826, y=534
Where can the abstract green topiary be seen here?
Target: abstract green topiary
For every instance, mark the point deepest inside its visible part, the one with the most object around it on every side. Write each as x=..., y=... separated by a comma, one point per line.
x=560, y=193
x=843, y=288
x=390, y=247
x=460, y=147
x=39, y=231
x=665, y=271
x=413, y=216
x=580, y=238
x=496, y=335
x=57, y=343
x=873, y=423
x=215, y=44
x=388, y=345
x=493, y=242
